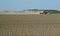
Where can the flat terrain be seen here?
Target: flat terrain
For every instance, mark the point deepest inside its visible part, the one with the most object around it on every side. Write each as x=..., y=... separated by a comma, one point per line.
x=29, y=25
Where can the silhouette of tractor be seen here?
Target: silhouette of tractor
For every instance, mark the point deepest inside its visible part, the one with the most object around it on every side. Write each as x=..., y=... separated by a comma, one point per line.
x=45, y=12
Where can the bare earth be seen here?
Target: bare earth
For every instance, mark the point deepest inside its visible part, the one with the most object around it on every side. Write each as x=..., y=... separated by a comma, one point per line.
x=29, y=25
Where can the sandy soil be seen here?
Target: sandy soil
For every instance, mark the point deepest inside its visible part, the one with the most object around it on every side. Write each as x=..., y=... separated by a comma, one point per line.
x=29, y=25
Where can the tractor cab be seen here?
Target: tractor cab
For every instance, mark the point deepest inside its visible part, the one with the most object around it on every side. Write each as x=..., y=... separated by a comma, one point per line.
x=45, y=12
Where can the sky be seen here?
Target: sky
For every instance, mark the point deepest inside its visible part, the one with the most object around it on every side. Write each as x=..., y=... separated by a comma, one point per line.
x=29, y=4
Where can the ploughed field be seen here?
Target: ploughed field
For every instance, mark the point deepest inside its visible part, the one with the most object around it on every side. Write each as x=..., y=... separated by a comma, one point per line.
x=29, y=25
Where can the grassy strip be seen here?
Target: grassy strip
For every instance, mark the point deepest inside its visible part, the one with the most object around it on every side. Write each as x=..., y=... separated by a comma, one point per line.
x=54, y=12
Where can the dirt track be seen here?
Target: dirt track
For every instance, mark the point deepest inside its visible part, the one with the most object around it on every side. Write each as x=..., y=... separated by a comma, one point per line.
x=29, y=25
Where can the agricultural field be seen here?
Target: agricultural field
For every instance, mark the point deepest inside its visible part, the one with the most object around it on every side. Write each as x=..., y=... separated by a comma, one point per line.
x=29, y=25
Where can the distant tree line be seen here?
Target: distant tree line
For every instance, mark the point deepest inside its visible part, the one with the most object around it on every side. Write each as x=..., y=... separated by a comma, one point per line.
x=53, y=11
x=49, y=11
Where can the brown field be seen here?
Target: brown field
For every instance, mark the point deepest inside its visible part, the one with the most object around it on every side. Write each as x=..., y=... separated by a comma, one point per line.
x=29, y=25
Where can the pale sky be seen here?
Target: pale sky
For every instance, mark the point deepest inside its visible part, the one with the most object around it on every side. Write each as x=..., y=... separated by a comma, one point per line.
x=28, y=4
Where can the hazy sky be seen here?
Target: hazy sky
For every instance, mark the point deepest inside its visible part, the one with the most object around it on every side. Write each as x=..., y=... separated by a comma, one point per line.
x=27, y=4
